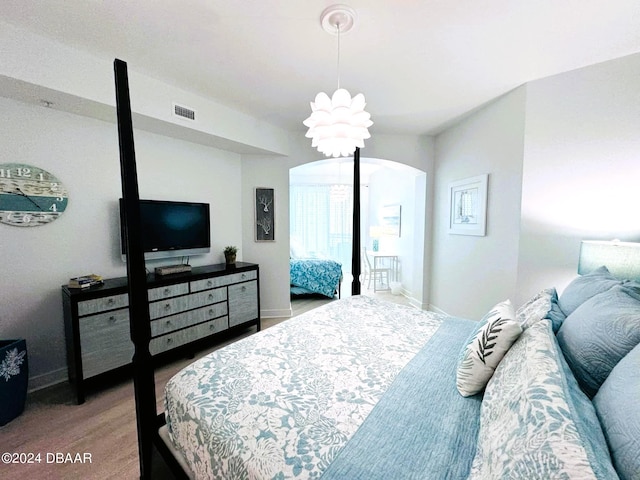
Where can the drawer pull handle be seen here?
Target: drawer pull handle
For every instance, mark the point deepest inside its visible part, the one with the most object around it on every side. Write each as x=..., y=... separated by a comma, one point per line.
x=211, y=312
x=110, y=301
x=212, y=327
x=167, y=291
x=210, y=296
x=168, y=323
x=209, y=283
x=169, y=340
x=244, y=275
x=112, y=319
x=244, y=289
x=167, y=306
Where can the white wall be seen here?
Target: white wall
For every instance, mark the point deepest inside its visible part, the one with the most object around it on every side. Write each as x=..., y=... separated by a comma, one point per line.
x=469, y=274
x=34, y=67
x=562, y=154
x=83, y=153
x=405, y=187
x=581, y=169
x=273, y=257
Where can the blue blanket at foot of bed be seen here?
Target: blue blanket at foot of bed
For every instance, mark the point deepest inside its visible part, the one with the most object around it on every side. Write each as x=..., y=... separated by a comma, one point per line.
x=422, y=428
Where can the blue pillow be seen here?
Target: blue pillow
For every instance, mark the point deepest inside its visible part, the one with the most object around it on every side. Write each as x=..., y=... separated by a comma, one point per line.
x=601, y=331
x=583, y=287
x=618, y=407
x=555, y=314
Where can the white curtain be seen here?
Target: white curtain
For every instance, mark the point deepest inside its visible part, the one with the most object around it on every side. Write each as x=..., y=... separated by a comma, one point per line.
x=321, y=222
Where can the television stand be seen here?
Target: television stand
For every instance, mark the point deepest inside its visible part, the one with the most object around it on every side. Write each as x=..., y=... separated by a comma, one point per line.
x=169, y=269
x=187, y=312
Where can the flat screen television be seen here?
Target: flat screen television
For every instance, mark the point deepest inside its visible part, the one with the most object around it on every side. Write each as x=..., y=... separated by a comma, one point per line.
x=171, y=229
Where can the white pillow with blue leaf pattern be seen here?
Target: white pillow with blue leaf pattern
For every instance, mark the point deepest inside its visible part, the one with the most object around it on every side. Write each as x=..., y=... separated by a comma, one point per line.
x=493, y=337
x=535, y=422
x=543, y=305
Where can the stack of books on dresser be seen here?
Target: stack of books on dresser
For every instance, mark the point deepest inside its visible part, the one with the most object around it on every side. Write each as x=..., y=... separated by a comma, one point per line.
x=85, y=281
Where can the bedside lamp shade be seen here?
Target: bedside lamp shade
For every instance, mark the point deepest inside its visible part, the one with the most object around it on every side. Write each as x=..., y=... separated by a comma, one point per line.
x=375, y=232
x=621, y=258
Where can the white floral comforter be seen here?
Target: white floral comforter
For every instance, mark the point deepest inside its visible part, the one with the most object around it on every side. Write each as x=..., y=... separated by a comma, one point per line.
x=283, y=402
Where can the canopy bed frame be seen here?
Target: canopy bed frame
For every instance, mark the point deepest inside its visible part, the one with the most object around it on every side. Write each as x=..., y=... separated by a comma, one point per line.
x=148, y=420
x=359, y=387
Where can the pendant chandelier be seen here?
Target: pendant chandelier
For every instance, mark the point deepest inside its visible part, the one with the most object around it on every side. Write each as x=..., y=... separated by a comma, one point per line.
x=339, y=191
x=339, y=124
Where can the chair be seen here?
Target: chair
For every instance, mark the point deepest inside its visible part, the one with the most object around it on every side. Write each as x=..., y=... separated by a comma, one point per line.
x=375, y=274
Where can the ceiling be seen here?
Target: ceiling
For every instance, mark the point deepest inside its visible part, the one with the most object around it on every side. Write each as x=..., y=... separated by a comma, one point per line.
x=420, y=64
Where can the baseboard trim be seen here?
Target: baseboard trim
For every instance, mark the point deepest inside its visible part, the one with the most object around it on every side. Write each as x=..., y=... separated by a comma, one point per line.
x=276, y=313
x=38, y=382
x=433, y=308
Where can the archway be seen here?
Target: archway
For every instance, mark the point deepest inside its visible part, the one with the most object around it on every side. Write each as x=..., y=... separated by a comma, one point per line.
x=320, y=224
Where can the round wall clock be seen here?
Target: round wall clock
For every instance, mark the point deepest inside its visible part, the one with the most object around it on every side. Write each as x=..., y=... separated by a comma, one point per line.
x=30, y=196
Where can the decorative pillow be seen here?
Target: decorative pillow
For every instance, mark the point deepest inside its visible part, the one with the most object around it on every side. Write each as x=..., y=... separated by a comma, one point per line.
x=495, y=333
x=583, y=287
x=535, y=422
x=618, y=406
x=542, y=305
x=596, y=336
x=555, y=314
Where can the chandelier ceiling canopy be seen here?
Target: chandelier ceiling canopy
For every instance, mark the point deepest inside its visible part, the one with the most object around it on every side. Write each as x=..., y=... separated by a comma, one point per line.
x=339, y=124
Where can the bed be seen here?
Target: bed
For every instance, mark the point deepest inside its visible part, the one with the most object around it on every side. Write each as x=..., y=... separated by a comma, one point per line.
x=365, y=389
x=291, y=397
x=315, y=276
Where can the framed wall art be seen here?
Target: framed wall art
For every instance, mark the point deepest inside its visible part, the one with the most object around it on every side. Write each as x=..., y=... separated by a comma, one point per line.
x=468, y=206
x=265, y=214
x=391, y=220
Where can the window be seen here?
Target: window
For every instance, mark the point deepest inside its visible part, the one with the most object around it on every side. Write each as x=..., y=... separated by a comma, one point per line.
x=321, y=221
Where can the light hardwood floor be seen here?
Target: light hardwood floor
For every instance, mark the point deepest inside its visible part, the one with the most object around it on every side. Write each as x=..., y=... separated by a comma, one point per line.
x=104, y=427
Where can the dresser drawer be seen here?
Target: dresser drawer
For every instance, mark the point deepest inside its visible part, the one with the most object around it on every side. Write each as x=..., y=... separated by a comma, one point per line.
x=105, y=342
x=168, y=324
x=187, y=335
x=175, y=305
x=88, y=307
x=168, y=291
x=224, y=280
x=243, y=302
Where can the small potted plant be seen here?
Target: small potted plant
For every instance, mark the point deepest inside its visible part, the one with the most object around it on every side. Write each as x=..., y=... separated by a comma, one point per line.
x=230, y=254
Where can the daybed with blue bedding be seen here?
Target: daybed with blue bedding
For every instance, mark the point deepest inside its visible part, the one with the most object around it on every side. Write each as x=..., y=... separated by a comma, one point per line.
x=365, y=389
x=315, y=275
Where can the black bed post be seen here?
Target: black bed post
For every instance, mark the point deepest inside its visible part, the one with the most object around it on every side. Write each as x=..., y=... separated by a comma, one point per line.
x=143, y=375
x=355, y=254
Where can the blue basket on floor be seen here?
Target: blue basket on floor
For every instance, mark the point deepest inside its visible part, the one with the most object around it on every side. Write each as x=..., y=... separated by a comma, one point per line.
x=14, y=377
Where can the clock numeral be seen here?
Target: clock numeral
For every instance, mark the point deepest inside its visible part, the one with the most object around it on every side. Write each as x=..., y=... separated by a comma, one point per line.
x=41, y=176
x=24, y=172
x=59, y=199
x=5, y=173
x=54, y=186
x=53, y=207
x=24, y=218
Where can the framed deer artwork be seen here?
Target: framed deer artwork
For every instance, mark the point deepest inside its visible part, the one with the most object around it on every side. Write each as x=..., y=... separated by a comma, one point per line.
x=265, y=214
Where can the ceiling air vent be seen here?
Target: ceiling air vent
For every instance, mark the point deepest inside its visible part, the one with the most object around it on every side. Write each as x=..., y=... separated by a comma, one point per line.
x=184, y=112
